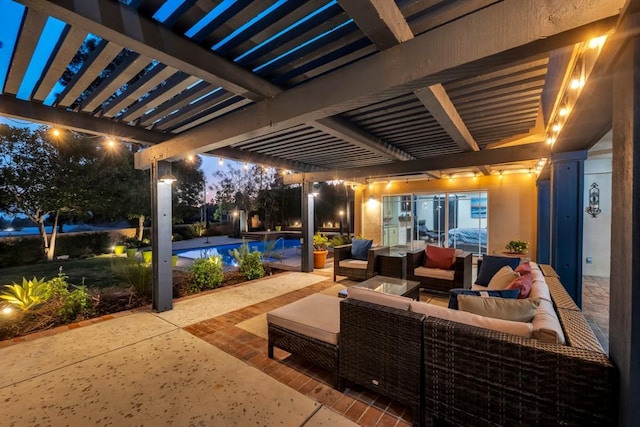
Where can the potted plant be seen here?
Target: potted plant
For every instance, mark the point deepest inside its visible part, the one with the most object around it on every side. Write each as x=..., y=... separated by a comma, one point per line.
x=118, y=248
x=517, y=246
x=132, y=244
x=320, y=251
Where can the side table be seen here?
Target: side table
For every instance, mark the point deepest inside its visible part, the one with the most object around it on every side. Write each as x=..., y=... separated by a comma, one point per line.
x=392, y=263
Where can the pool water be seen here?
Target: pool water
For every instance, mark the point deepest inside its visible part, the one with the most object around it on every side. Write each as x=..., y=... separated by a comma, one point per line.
x=227, y=258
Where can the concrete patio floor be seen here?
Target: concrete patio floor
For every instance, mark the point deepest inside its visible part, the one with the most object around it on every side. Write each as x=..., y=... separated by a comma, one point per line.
x=202, y=363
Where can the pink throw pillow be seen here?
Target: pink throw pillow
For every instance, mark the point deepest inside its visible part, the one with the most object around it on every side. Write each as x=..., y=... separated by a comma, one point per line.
x=523, y=268
x=522, y=283
x=437, y=257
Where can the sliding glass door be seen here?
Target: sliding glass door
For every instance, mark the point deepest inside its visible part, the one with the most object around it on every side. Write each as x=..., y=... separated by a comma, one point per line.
x=457, y=220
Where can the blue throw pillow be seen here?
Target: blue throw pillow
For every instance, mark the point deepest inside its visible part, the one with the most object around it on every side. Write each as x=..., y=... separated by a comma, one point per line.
x=453, y=295
x=359, y=248
x=490, y=266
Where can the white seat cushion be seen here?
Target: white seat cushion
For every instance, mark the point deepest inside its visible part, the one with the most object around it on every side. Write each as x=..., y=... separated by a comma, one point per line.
x=546, y=325
x=353, y=263
x=522, y=329
x=316, y=316
x=434, y=273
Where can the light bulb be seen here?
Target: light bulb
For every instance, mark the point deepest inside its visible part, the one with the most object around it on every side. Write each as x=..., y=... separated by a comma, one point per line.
x=220, y=161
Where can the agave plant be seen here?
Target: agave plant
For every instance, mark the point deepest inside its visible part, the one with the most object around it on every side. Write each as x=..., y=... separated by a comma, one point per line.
x=28, y=295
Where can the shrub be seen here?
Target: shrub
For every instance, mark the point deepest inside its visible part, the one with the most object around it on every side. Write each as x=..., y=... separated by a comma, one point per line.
x=73, y=301
x=198, y=229
x=28, y=295
x=135, y=273
x=250, y=263
x=206, y=273
x=339, y=241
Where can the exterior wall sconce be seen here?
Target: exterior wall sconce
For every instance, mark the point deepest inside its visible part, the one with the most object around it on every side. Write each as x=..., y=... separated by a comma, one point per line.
x=594, y=201
x=168, y=178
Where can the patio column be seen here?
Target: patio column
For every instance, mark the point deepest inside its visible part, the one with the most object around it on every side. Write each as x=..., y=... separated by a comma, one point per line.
x=567, y=182
x=162, y=289
x=624, y=304
x=307, y=227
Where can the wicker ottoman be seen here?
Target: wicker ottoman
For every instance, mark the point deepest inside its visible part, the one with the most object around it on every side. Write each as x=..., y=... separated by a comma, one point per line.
x=309, y=328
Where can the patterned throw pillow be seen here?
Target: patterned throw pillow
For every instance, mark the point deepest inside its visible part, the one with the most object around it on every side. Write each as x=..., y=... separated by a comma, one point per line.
x=453, y=295
x=522, y=284
x=437, y=257
x=524, y=268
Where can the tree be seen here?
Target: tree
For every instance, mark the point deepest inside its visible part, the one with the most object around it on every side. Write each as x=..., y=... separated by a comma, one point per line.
x=187, y=190
x=41, y=177
x=240, y=187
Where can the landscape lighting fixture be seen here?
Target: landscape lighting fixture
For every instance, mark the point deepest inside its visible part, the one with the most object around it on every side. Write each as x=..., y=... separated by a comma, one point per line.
x=220, y=161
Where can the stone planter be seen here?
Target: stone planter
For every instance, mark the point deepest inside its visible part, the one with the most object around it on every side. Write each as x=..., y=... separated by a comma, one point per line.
x=118, y=249
x=147, y=256
x=131, y=252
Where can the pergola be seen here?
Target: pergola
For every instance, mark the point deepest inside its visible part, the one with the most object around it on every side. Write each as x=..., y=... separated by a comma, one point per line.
x=355, y=90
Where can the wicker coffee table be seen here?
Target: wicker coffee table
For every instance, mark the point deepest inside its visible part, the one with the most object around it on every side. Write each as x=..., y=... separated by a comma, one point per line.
x=389, y=285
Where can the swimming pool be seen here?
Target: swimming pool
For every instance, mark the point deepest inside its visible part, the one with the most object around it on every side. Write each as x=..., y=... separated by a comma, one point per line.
x=227, y=259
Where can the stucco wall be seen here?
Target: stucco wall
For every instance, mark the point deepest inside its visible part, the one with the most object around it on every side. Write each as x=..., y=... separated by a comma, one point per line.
x=512, y=204
x=596, y=238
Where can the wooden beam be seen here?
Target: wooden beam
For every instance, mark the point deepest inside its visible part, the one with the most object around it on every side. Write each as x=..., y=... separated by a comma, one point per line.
x=449, y=161
x=134, y=91
x=380, y=20
x=347, y=131
x=116, y=79
x=91, y=68
x=122, y=25
x=38, y=113
x=149, y=38
x=436, y=100
x=261, y=159
x=30, y=31
x=528, y=28
x=73, y=39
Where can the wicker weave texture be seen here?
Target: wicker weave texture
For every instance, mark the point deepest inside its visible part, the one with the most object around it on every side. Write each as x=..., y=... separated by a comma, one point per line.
x=580, y=334
x=315, y=351
x=479, y=377
x=561, y=297
x=381, y=349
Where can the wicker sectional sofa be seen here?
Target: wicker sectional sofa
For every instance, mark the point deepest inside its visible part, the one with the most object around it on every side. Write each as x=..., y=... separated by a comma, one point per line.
x=467, y=375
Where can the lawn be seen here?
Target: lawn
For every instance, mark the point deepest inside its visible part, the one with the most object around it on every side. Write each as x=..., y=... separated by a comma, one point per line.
x=92, y=272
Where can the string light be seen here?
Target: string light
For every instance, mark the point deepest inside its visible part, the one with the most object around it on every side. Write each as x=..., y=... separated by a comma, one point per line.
x=597, y=42
x=55, y=132
x=500, y=175
x=245, y=166
x=220, y=161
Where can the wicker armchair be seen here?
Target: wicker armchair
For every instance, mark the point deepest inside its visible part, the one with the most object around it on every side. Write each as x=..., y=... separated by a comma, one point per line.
x=354, y=271
x=461, y=277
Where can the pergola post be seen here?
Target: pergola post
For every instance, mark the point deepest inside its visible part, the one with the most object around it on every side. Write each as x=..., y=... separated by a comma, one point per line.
x=162, y=289
x=308, y=208
x=567, y=184
x=624, y=304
